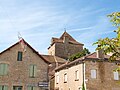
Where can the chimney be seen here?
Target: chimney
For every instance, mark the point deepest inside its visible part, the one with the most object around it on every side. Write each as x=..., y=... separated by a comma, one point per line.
x=100, y=53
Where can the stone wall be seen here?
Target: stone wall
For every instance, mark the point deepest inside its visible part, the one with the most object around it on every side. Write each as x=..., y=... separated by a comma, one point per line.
x=18, y=71
x=64, y=50
x=105, y=77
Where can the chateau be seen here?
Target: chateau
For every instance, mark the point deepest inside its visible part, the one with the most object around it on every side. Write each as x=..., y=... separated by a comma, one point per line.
x=23, y=68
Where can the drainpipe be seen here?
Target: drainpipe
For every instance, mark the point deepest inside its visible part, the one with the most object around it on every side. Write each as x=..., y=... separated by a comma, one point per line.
x=83, y=86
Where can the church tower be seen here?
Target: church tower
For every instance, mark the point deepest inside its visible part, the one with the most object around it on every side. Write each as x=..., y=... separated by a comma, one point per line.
x=64, y=46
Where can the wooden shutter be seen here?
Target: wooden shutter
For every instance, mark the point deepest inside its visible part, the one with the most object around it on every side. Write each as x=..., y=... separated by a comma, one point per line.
x=5, y=87
x=5, y=69
x=29, y=88
x=1, y=69
x=0, y=87
x=35, y=70
x=31, y=70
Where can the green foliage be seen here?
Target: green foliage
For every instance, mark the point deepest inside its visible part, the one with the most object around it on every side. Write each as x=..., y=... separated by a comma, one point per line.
x=111, y=45
x=79, y=54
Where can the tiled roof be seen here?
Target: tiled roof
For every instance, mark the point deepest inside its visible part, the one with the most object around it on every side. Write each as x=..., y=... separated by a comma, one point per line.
x=60, y=40
x=92, y=56
x=51, y=59
x=65, y=34
x=29, y=47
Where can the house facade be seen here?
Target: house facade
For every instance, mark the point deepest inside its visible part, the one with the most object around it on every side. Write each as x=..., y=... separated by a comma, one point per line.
x=94, y=71
x=23, y=70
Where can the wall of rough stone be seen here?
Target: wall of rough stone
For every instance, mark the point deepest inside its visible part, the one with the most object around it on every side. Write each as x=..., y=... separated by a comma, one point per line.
x=64, y=50
x=105, y=77
x=18, y=71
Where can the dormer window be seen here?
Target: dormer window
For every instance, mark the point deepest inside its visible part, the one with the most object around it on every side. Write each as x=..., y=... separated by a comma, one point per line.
x=19, y=57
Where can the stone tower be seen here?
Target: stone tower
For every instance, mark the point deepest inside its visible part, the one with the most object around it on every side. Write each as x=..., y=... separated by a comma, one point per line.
x=64, y=46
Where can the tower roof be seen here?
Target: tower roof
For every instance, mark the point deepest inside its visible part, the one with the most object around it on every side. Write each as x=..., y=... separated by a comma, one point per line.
x=65, y=34
x=61, y=39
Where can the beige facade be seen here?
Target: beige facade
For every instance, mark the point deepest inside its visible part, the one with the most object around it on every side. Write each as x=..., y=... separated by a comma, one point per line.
x=72, y=82
x=18, y=72
x=99, y=74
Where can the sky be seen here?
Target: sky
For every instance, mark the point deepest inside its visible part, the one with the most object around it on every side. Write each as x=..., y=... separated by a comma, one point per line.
x=39, y=20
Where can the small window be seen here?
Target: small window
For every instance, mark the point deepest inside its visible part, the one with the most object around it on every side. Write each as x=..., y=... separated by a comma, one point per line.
x=116, y=75
x=93, y=74
x=17, y=87
x=65, y=78
x=19, y=58
x=57, y=79
x=3, y=87
x=3, y=69
x=33, y=71
x=76, y=75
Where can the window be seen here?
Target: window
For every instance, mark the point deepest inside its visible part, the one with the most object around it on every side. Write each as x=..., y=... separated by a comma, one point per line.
x=65, y=77
x=93, y=74
x=76, y=75
x=116, y=75
x=3, y=69
x=31, y=88
x=17, y=87
x=3, y=87
x=19, y=58
x=33, y=70
x=57, y=79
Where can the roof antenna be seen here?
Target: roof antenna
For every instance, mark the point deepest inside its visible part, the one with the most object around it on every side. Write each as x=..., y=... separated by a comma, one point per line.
x=65, y=29
x=19, y=36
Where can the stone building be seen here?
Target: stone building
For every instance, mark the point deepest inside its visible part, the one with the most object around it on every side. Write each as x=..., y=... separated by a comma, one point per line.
x=94, y=70
x=23, y=68
x=64, y=46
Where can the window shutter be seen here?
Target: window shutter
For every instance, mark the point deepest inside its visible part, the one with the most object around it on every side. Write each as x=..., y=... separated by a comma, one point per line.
x=29, y=88
x=1, y=69
x=0, y=87
x=35, y=70
x=116, y=75
x=5, y=69
x=31, y=70
x=5, y=87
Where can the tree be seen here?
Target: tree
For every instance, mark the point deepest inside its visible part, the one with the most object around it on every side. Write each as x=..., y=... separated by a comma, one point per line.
x=111, y=45
x=84, y=52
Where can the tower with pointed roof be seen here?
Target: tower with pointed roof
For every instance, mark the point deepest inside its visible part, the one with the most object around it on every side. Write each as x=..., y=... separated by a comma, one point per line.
x=64, y=46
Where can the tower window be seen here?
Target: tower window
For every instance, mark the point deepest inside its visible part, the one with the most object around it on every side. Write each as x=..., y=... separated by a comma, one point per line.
x=19, y=57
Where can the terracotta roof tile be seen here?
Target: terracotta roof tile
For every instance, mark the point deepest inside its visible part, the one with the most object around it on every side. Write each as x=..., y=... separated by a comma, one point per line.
x=60, y=40
x=51, y=59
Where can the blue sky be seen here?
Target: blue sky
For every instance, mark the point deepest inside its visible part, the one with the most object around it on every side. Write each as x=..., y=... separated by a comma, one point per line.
x=40, y=20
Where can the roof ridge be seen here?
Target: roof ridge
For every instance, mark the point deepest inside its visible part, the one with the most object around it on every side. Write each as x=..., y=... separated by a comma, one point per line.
x=28, y=46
